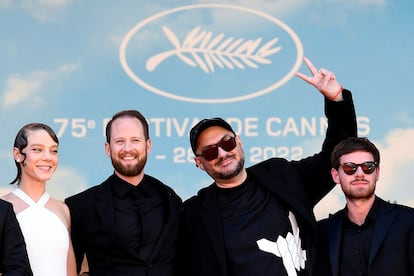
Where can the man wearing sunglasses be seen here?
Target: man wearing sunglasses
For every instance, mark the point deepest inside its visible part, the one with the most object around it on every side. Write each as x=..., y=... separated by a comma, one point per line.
x=369, y=236
x=259, y=220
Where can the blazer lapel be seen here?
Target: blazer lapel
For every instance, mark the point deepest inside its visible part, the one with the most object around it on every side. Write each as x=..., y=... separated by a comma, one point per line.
x=170, y=227
x=334, y=237
x=211, y=219
x=385, y=217
x=104, y=207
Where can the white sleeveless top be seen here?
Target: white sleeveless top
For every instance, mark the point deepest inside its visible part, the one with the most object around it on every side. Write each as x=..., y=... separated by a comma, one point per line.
x=46, y=237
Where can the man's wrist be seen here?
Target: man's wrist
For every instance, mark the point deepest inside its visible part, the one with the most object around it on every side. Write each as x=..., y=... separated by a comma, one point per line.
x=337, y=97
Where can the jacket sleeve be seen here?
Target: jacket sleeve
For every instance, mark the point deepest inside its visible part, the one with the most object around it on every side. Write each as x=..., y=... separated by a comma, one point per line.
x=341, y=121
x=316, y=169
x=76, y=231
x=14, y=259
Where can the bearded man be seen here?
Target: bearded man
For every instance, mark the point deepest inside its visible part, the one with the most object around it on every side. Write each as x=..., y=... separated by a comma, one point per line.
x=370, y=236
x=128, y=224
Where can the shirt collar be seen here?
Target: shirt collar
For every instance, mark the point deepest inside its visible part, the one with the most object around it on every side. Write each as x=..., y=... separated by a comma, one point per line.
x=122, y=188
x=373, y=212
x=371, y=217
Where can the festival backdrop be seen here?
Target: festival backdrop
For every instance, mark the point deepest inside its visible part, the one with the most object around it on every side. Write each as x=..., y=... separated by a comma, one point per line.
x=73, y=64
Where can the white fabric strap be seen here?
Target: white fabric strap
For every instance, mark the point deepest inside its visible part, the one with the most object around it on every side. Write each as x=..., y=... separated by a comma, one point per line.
x=23, y=196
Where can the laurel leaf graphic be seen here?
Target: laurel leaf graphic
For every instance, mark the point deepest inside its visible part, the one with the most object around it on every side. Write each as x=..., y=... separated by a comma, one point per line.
x=200, y=62
x=205, y=40
x=216, y=60
x=242, y=47
x=215, y=41
x=249, y=63
x=193, y=38
x=224, y=44
x=204, y=50
x=234, y=45
x=154, y=61
x=236, y=62
x=273, y=51
x=266, y=50
x=209, y=61
x=171, y=37
x=226, y=63
x=190, y=37
x=187, y=60
x=249, y=47
x=260, y=59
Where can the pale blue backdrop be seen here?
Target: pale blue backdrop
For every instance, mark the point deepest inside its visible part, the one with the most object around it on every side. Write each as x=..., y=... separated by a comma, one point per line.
x=73, y=64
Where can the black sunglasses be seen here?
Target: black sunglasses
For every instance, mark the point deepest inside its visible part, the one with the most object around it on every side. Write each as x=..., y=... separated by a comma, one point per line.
x=367, y=167
x=228, y=143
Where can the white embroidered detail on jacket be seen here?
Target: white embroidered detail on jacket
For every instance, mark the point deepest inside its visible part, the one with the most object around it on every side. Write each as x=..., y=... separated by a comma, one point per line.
x=289, y=248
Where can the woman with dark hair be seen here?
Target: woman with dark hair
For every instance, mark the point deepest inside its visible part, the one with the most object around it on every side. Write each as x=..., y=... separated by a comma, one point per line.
x=45, y=222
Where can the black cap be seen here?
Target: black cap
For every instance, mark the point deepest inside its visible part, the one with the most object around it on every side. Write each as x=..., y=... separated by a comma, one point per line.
x=204, y=124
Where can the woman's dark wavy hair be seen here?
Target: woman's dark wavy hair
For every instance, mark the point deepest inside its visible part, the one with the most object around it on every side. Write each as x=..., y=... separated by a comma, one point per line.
x=20, y=142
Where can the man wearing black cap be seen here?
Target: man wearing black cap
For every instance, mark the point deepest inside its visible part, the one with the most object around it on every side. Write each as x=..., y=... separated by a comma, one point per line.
x=259, y=220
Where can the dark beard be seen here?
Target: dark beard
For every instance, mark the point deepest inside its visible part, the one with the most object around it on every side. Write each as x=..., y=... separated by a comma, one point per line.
x=230, y=175
x=356, y=196
x=129, y=170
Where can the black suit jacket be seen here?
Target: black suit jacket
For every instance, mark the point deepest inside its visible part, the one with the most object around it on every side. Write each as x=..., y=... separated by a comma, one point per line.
x=13, y=255
x=392, y=248
x=92, y=230
x=299, y=185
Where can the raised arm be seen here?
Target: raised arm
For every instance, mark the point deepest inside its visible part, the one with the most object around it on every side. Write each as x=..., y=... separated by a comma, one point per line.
x=340, y=113
x=323, y=80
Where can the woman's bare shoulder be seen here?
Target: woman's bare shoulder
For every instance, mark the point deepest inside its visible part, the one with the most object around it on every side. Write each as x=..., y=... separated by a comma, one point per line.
x=18, y=204
x=60, y=209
